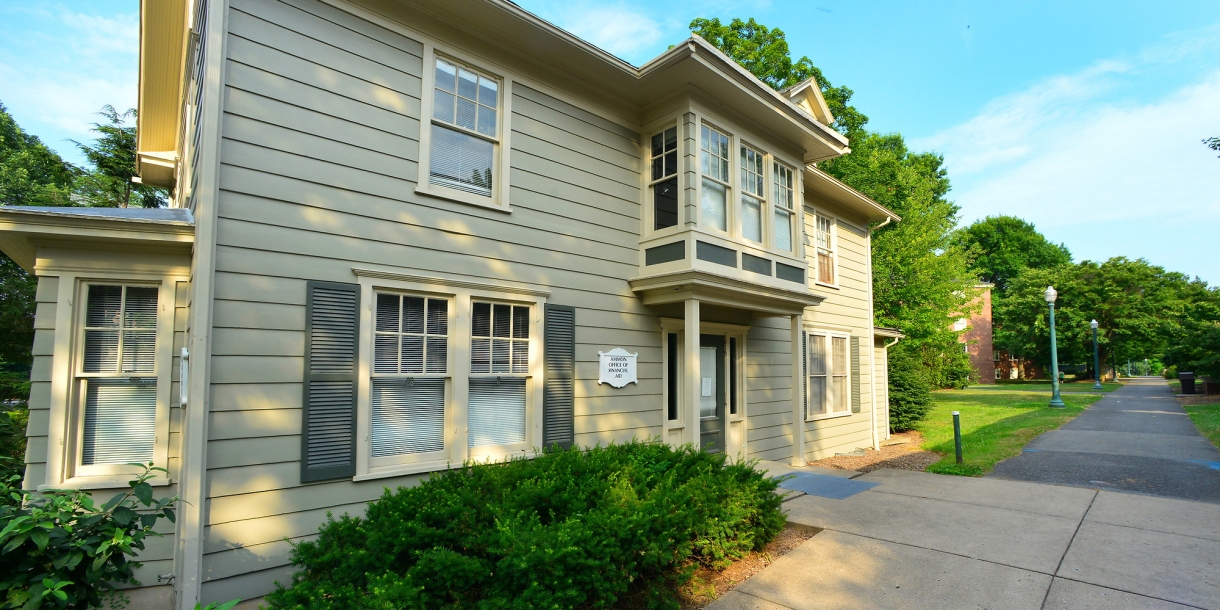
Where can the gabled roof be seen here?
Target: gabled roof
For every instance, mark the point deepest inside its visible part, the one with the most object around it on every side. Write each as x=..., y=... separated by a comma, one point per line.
x=807, y=94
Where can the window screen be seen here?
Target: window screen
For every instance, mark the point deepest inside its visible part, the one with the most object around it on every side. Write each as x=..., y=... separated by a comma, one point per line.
x=119, y=367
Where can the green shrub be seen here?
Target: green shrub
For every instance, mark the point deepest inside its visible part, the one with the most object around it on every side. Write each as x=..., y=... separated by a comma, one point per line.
x=566, y=529
x=13, y=421
x=58, y=550
x=910, y=395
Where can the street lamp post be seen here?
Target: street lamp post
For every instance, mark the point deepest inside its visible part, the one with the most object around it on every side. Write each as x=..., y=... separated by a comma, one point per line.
x=1096, y=365
x=1056, y=401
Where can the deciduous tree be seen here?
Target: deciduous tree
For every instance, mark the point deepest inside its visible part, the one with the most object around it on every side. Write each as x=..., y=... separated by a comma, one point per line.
x=1001, y=247
x=113, y=156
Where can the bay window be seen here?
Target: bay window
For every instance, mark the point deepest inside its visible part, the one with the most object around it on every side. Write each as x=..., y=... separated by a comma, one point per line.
x=663, y=160
x=715, y=185
x=752, y=187
x=784, y=204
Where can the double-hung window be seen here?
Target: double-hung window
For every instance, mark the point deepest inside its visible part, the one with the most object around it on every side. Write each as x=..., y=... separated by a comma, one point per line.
x=499, y=374
x=663, y=158
x=752, y=188
x=117, y=377
x=827, y=370
x=784, y=207
x=410, y=377
x=465, y=129
x=715, y=149
x=824, y=241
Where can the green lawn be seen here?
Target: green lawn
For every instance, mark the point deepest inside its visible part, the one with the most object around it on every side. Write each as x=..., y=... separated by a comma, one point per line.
x=1042, y=385
x=1207, y=420
x=996, y=424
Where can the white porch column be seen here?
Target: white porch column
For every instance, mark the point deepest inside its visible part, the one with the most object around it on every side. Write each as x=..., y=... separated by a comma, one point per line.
x=798, y=393
x=691, y=374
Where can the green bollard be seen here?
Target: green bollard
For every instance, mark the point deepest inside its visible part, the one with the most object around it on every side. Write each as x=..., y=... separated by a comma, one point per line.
x=957, y=434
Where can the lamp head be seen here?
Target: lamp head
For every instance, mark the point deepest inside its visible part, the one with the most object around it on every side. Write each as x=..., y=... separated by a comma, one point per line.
x=1093, y=324
x=1051, y=294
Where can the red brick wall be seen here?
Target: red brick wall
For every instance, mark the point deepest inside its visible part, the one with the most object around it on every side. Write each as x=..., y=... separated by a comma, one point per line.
x=977, y=338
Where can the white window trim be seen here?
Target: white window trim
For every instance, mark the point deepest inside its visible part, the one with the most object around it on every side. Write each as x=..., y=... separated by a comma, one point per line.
x=460, y=294
x=649, y=230
x=64, y=470
x=732, y=228
x=764, y=200
x=793, y=221
x=733, y=446
x=847, y=412
x=499, y=199
x=834, y=248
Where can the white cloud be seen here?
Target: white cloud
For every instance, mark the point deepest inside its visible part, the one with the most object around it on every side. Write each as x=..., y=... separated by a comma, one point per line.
x=58, y=67
x=617, y=29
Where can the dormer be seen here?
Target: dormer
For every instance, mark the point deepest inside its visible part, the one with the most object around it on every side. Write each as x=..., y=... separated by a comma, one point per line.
x=807, y=95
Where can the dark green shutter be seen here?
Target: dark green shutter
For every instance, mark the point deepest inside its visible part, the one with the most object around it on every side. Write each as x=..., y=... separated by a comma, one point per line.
x=328, y=422
x=559, y=388
x=855, y=374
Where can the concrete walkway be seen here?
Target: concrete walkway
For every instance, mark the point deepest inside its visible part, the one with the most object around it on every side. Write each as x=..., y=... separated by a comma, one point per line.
x=1136, y=439
x=920, y=540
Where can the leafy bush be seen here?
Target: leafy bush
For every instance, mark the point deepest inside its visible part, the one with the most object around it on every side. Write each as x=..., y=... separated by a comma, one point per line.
x=564, y=530
x=13, y=420
x=910, y=396
x=57, y=550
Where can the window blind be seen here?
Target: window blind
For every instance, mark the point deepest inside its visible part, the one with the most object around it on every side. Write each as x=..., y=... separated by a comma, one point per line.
x=120, y=420
x=120, y=339
x=460, y=159
x=817, y=374
x=408, y=415
x=496, y=411
x=855, y=374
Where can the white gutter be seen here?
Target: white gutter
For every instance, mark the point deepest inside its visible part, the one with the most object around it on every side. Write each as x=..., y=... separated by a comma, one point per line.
x=872, y=342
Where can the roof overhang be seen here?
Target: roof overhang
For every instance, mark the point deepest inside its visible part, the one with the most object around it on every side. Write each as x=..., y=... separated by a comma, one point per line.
x=25, y=229
x=163, y=44
x=827, y=187
x=721, y=290
x=888, y=333
x=626, y=89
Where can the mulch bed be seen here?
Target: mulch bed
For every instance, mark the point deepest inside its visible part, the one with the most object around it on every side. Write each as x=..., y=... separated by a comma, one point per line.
x=707, y=585
x=901, y=452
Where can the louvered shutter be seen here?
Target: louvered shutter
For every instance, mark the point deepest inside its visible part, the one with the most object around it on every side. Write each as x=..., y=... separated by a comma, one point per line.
x=558, y=397
x=328, y=431
x=855, y=374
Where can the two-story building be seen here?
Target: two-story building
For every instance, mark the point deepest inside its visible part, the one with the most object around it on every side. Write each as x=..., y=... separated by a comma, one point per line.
x=403, y=235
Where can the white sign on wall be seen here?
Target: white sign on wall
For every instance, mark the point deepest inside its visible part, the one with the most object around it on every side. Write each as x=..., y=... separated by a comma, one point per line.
x=617, y=367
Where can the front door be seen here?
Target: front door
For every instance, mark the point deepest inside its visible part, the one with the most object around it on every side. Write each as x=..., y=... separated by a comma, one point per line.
x=711, y=393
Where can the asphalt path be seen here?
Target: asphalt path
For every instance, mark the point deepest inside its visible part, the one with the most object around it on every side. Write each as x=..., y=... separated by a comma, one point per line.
x=1136, y=439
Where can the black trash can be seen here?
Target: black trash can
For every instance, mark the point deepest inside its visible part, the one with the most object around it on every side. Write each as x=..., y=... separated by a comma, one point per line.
x=1188, y=382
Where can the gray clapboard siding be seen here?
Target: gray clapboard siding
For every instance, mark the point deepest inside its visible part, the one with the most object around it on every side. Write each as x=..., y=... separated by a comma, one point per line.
x=256, y=342
x=273, y=528
x=535, y=121
x=562, y=146
x=249, y=479
x=251, y=131
x=289, y=67
x=256, y=396
x=236, y=561
x=299, y=498
x=524, y=159
x=252, y=451
x=267, y=84
x=253, y=424
x=540, y=109
x=403, y=144
x=507, y=241
x=610, y=130
x=319, y=52
x=255, y=369
x=249, y=585
x=365, y=41
x=324, y=12
x=269, y=316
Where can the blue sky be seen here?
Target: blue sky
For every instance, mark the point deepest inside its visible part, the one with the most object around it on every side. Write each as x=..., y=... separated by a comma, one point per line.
x=1082, y=117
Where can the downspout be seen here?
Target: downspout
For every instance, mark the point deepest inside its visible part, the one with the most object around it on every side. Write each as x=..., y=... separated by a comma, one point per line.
x=872, y=339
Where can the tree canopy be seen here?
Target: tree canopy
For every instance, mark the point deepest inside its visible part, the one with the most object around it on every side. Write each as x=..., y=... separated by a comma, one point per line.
x=113, y=156
x=1001, y=247
x=1212, y=143
x=764, y=52
x=920, y=275
x=31, y=173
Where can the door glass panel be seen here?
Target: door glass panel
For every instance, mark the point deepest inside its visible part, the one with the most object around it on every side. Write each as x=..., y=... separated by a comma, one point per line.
x=707, y=382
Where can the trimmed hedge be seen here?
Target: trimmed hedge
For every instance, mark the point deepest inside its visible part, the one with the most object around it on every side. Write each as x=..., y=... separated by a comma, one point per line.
x=566, y=529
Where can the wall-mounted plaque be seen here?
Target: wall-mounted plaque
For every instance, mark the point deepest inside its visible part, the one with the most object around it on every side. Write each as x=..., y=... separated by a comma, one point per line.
x=617, y=367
